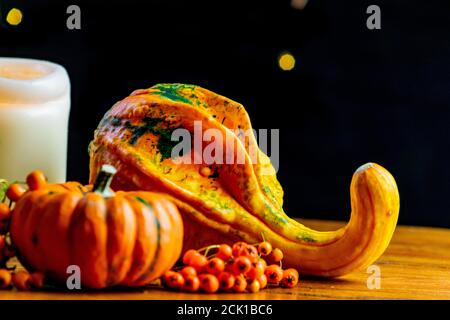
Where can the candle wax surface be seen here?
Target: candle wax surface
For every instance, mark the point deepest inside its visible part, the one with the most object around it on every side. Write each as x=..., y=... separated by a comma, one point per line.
x=21, y=71
x=34, y=114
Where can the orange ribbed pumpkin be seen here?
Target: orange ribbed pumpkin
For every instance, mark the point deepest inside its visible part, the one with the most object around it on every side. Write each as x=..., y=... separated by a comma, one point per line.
x=123, y=238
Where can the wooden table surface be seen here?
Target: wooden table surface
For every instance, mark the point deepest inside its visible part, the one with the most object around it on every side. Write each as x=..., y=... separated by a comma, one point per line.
x=415, y=266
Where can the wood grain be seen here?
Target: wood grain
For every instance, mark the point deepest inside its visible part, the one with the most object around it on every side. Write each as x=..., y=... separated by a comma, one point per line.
x=415, y=266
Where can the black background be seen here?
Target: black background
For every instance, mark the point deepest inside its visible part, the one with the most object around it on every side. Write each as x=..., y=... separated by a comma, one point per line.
x=355, y=95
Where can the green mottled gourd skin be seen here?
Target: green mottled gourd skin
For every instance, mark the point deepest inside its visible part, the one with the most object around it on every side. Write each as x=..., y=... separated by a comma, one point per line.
x=238, y=201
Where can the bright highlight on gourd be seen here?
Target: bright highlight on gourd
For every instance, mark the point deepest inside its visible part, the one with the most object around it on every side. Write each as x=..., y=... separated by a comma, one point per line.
x=14, y=17
x=286, y=61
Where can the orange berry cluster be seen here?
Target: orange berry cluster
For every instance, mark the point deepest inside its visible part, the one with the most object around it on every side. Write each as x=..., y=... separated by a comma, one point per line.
x=6, y=249
x=14, y=192
x=21, y=280
x=239, y=268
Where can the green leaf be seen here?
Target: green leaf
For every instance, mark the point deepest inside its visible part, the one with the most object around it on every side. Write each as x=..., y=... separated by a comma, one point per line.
x=3, y=187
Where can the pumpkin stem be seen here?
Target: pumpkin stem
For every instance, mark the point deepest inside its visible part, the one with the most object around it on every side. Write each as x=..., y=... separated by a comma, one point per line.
x=103, y=180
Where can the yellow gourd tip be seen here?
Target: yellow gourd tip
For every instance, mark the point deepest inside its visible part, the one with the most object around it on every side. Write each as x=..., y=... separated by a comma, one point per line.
x=364, y=167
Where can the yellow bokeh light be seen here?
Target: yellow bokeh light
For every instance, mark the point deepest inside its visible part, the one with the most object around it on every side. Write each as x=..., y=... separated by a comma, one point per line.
x=286, y=61
x=14, y=17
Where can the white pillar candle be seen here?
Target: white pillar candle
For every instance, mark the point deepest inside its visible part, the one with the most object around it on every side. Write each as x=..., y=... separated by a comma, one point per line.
x=34, y=114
